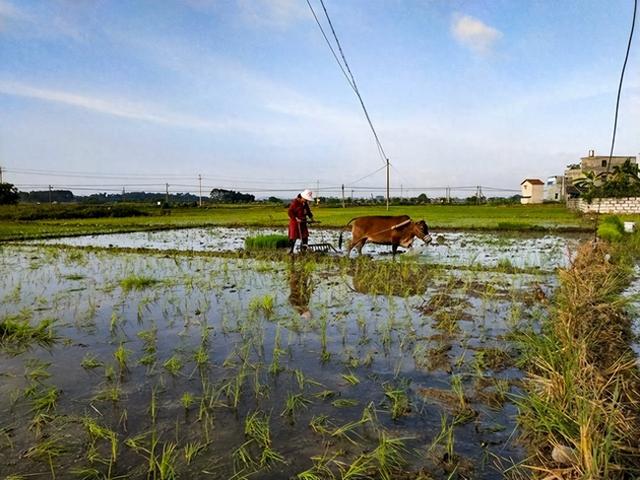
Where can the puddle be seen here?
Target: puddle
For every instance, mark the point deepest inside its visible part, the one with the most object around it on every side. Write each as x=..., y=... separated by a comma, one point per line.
x=633, y=293
x=244, y=339
x=453, y=248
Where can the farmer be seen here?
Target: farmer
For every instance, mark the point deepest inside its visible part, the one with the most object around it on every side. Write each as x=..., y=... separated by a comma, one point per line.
x=299, y=210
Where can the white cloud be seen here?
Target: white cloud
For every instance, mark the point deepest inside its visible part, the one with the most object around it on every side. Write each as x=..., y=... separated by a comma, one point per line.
x=122, y=108
x=474, y=34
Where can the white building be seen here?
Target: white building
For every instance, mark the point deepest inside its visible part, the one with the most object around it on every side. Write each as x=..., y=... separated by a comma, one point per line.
x=532, y=191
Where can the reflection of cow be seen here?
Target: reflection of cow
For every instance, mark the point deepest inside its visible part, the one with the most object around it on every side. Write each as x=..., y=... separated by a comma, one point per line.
x=385, y=230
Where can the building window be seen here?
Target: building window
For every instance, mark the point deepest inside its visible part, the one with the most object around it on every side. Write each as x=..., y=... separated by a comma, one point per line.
x=556, y=196
x=604, y=163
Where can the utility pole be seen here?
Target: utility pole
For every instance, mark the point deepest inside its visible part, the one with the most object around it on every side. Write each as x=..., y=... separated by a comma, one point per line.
x=401, y=192
x=352, y=196
x=343, y=205
x=387, y=184
x=50, y=199
x=448, y=194
x=1, y=174
x=317, y=191
x=166, y=197
x=200, y=184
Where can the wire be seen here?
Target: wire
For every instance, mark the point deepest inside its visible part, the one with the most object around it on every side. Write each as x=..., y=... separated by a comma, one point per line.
x=624, y=67
x=348, y=74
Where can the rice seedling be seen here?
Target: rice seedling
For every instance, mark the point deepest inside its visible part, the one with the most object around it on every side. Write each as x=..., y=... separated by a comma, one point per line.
x=275, y=367
x=98, y=432
x=90, y=361
x=112, y=393
x=173, y=365
x=187, y=400
x=46, y=450
x=445, y=440
x=388, y=456
x=17, y=334
x=191, y=450
x=294, y=403
x=350, y=378
x=266, y=242
x=345, y=402
x=44, y=400
x=122, y=356
x=136, y=282
x=37, y=370
x=398, y=401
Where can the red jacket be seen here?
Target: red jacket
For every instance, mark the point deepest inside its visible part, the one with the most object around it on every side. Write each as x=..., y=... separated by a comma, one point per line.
x=299, y=210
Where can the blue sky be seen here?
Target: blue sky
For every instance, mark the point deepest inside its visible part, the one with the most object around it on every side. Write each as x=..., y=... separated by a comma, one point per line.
x=246, y=93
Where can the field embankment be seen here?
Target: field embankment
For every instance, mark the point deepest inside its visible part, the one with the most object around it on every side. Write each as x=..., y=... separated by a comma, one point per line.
x=582, y=412
x=24, y=222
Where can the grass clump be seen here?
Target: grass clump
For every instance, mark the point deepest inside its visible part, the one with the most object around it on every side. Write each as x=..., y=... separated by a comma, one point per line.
x=583, y=387
x=266, y=242
x=611, y=229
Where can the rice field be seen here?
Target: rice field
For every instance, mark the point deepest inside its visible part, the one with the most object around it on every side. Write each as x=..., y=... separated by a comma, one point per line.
x=165, y=365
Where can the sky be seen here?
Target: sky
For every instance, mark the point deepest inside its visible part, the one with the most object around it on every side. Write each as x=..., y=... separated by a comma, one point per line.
x=98, y=95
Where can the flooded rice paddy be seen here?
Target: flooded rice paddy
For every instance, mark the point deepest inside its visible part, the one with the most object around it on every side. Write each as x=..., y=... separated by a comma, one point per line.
x=184, y=366
x=455, y=248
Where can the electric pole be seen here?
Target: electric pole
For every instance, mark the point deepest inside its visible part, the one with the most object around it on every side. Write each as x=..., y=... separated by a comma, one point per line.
x=1, y=175
x=343, y=205
x=317, y=191
x=50, y=199
x=352, y=196
x=401, y=192
x=166, y=197
x=200, y=184
x=387, y=184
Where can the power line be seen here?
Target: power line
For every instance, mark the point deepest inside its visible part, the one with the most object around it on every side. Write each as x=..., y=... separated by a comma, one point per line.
x=352, y=83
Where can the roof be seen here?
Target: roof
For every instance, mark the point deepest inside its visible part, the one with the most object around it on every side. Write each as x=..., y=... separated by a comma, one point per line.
x=532, y=181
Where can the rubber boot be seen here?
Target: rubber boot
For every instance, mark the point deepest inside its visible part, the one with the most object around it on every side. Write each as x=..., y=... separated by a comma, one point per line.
x=305, y=244
x=292, y=244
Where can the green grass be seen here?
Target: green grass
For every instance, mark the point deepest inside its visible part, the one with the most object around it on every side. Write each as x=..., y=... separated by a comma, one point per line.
x=437, y=216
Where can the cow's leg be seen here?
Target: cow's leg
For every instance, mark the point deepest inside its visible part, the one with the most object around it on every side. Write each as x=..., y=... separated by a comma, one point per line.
x=361, y=243
x=394, y=249
x=353, y=243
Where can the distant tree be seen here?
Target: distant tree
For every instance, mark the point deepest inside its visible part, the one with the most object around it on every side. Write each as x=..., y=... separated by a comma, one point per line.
x=274, y=200
x=220, y=195
x=43, y=196
x=8, y=194
x=422, y=198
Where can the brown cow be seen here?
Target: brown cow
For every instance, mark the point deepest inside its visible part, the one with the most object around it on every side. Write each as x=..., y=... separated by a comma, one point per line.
x=385, y=230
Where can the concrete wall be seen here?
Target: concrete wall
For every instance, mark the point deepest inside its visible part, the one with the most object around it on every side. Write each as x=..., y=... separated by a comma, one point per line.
x=623, y=205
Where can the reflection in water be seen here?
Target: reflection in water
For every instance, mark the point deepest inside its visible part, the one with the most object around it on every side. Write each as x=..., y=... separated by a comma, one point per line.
x=300, y=286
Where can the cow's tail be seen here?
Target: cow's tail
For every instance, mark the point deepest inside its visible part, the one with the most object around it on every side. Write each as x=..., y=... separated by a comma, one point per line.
x=342, y=231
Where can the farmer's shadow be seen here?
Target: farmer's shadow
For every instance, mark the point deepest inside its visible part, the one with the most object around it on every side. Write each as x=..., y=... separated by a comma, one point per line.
x=300, y=287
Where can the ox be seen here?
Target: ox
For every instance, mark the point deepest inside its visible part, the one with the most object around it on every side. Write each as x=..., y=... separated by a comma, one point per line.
x=385, y=230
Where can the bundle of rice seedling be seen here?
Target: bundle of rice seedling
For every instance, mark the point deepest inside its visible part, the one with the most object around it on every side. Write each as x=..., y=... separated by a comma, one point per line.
x=266, y=242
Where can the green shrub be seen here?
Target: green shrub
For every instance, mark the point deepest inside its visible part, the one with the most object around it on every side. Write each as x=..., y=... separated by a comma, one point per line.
x=266, y=242
x=609, y=232
x=615, y=221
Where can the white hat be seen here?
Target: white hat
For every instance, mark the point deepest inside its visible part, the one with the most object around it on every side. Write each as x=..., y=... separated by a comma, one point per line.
x=307, y=195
